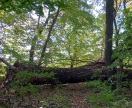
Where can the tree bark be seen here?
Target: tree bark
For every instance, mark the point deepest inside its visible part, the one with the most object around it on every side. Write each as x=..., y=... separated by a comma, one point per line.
x=109, y=31
x=124, y=4
x=92, y=71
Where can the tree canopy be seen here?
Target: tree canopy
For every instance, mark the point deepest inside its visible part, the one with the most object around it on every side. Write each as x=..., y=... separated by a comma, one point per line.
x=64, y=33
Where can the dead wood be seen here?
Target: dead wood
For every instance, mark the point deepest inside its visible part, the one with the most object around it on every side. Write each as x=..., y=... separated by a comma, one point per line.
x=92, y=71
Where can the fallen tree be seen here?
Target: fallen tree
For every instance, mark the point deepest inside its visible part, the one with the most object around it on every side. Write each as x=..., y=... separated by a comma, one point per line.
x=72, y=75
x=92, y=71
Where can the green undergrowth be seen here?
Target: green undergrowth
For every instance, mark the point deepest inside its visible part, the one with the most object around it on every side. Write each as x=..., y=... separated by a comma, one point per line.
x=22, y=81
x=2, y=72
x=101, y=95
x=22, y=85
x=104, y=97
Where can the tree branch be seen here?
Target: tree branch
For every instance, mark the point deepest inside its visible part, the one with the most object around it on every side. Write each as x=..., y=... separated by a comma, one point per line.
x=5, y=62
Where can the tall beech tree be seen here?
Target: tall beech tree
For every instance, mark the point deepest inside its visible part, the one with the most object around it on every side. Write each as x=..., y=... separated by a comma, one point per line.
x=109, y=31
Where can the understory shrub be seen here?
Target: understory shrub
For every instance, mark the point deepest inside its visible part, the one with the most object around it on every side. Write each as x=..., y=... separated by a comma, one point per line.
x=104, y=97
x=2, y=69
x=97, y=85
x=21, y=82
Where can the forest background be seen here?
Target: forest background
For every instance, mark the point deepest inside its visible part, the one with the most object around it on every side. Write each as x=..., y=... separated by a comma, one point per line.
x=60, y=42
x=64, y=33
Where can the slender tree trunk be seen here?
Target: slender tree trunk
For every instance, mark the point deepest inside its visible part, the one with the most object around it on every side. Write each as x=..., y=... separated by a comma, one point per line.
x=109, y=31
x=32, y=50
x=124, y=4
x=121, y=61
x=117, y=31
x=33, y=44
x=48, y=37
x=72, y=63
x=34, y=40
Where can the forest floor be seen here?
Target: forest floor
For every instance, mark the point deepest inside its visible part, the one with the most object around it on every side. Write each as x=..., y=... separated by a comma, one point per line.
x=65, y=96
x=73, y=95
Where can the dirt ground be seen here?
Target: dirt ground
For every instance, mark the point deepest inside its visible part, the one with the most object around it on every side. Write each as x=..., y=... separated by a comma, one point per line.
x=73, y=95
x=67, y=95
x=76, y=94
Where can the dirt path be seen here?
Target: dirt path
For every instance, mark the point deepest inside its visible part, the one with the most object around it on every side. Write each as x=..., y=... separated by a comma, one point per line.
x=79, y=95
x=76, y=94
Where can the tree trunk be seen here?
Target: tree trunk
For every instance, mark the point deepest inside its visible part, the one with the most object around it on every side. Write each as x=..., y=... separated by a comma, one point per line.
x=93, y=71
x=48, y=37
x=109, y=31
x=64, y=76
x=35, y=38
